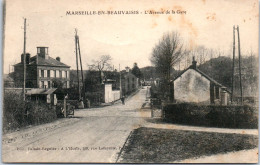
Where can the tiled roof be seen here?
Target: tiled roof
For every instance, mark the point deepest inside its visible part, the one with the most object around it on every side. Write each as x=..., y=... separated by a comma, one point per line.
x=40, y=91
x=124, y=73
x=46, y=62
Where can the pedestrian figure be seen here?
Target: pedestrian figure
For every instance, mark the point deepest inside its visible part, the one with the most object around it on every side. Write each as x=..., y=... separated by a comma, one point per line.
x=123, y=100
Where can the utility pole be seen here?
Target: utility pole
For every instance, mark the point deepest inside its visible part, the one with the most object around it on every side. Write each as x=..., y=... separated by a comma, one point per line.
x=239, y=55
x=120, y=85
x=83, y=86
x=233, y=67
x=24, y=60
x=76, y=47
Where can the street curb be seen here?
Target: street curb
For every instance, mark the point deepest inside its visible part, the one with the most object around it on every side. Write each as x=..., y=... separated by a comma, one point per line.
x=122, y=149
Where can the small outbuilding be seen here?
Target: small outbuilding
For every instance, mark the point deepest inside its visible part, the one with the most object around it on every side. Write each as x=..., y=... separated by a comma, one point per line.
x=192, y=85
x=110, y=95
x=43, y=95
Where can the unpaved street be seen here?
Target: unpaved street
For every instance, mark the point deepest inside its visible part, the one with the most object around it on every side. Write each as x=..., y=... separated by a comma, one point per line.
x=94, y=135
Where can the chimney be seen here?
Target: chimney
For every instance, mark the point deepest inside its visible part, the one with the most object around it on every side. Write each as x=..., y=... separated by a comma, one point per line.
x=36, y=58
x=194, y=63
x=43, y=52
x=28, y=56
x=127, y=69
x=58, y=59
x=22, y=58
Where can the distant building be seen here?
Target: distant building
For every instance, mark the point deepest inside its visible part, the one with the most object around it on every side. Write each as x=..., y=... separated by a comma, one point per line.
x=42, y=95
x=110, y=95
x=192, y=85
x=8, y=81
x=42, y=71
x=129, y=82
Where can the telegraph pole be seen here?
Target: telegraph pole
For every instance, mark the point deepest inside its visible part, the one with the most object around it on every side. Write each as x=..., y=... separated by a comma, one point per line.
x=81, y=70
x=24, y=60
x=76, y=47
x=233, y=67
x=120, y=83
x=239, y=55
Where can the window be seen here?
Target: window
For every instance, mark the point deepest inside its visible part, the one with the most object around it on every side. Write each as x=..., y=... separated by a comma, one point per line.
x=45, y=73
x=67, y=84
x=42, y=73
x=48, y=73
x=60, y=73
x=52, y=73
x=42, y=84
x=217, y=92
x=49, y=84
x=66, y=74
x=39, y=72
x=55, y=73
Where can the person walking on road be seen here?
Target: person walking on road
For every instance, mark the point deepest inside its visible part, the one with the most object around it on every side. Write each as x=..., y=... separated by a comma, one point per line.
x=123, y=100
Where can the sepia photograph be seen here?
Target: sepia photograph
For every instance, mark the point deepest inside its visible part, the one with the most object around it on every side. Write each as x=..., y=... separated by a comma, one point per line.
x=130, y=81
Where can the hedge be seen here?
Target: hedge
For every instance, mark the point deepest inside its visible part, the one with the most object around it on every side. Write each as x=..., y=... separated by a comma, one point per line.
x=212, y=115
x=17, y=113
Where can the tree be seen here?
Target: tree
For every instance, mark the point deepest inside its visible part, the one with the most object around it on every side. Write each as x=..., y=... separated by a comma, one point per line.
x=136, y=71
x=166, y=53
x=102, y=64
x=57, y=83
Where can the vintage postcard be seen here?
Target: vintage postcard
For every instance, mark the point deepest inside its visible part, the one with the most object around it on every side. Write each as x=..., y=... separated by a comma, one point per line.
x=130, y=81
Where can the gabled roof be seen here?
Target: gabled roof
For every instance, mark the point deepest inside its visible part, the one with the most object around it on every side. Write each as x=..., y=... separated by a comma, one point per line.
x=124, y=73
x=40, y=91
x=46, y=62
x=6, y=77
x=203, y=74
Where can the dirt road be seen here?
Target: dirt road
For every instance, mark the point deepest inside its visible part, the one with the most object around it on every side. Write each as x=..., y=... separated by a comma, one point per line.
x=94, y=135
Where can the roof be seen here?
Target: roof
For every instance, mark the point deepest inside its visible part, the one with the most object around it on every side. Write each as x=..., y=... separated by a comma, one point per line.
x=109, y=81
x=46, y=62
x=124, y=73
x=40, y=91
x=6, y=77
x=203, y=74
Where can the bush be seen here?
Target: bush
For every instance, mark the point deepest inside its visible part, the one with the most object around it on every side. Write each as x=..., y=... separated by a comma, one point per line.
x=17, y=113
x=95, y=98
x=212, y=115
x=39, y=113
x=13, y=111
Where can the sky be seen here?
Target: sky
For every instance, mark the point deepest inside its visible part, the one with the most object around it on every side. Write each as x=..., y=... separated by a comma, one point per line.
x=127, y=38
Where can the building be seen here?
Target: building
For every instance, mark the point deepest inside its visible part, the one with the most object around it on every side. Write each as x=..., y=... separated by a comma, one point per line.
x=42, y=71
x=8, y=81
x=129, y=82
x=192, y=85
x=42, y=95
x=110, y=94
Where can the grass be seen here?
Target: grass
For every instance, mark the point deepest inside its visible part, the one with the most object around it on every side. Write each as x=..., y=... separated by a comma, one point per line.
x=150, y=145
